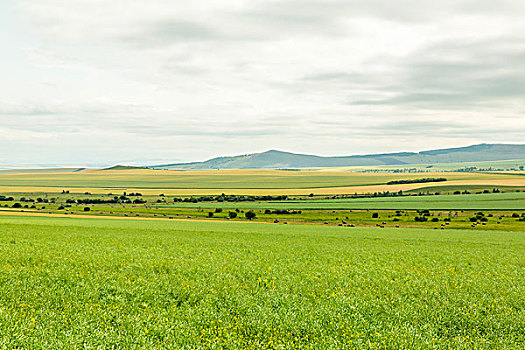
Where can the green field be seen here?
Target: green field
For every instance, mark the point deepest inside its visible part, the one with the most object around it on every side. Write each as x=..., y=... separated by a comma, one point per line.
x=99, y=283
x=492, y=201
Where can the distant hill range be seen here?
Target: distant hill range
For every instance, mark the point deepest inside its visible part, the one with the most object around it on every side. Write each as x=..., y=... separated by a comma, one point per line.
x=285, y=160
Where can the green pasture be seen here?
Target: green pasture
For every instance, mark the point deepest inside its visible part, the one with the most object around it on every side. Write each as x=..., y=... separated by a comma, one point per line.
x=492, y=201
x=470, y=188
x=100, y=283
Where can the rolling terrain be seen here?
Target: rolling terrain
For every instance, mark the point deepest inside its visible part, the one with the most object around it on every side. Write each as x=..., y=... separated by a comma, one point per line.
x=277, y=159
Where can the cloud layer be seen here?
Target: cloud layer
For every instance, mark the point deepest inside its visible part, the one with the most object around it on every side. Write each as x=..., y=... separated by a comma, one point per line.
x=103, y=82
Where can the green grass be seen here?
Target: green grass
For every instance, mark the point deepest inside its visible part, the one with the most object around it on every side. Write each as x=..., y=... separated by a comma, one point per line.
x=99, y=283
x=494, y=201
x=461, y=188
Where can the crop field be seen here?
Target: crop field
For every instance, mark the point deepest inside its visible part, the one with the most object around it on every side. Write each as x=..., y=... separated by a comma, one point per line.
x=98, y=283
x=492, y=201
x=239, y=181
x=504, y=165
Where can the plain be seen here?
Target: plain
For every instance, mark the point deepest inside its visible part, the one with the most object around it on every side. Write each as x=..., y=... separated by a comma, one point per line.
x=92, y=283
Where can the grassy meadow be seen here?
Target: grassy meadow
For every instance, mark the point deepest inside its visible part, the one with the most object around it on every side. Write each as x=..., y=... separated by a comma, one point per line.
x=98, y=283
x=492, y=201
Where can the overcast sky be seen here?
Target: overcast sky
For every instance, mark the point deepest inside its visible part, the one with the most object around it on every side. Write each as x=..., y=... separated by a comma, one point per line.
x=101, y=82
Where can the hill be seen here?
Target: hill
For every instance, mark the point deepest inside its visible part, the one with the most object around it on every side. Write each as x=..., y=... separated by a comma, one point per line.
x=274, y=159
x=124, y=167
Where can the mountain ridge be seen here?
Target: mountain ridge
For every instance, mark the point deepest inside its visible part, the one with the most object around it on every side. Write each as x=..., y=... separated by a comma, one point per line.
x=275, y=159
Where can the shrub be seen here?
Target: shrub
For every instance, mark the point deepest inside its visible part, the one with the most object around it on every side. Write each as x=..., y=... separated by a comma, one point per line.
x=250, y=215
x=375, y=215
x=87, y=208
x=232, y=214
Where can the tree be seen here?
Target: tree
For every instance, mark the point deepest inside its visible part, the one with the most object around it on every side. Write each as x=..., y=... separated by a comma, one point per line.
x=375, y=215
x=232, y=214
x=250, y=215
x=87, y=208
x=210, y=214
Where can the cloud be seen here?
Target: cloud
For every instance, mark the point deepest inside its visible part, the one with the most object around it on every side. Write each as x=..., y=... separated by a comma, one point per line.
x=162, y=79
x=461, y=74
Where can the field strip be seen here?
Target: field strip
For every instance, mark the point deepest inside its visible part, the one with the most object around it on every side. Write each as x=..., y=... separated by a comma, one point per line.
x=264, y=191
x=109, y=217
x=165, y=219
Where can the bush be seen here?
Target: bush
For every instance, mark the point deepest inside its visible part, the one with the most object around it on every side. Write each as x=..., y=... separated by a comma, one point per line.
x=232, y=214
x=415, y=181
x=218, y=210
x=87, y=208
x=375, y=215
x=435, y=220
x=17, y=205
x=210, y=214
x=250, y=215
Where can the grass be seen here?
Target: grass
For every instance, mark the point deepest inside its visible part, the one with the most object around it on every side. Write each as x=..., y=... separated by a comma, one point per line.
x=95, y=283
x=501, y=211
x=492, y=201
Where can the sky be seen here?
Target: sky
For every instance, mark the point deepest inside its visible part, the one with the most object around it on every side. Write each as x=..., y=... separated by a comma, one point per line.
x=144, y=82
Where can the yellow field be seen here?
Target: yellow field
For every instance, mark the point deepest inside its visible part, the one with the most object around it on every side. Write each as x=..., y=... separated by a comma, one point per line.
x=236, y=182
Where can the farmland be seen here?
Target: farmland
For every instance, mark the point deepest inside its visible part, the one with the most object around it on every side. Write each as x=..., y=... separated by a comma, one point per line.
x=152, y=182
x=95, y=283
x=86, y=263
x=499, y=201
